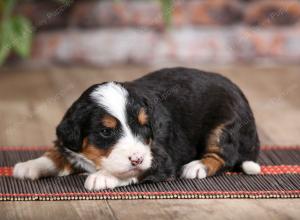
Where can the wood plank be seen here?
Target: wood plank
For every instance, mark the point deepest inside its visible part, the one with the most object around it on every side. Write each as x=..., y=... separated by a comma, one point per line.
x=31, y=111
x=38, y=210
x=206, y=209
x=19, y=124
x=93, y=210
x=153, y=209
x=42, y=210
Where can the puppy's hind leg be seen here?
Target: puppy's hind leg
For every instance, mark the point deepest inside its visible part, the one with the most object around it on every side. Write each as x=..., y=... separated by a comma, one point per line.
x=211, y=162
x=52, y=163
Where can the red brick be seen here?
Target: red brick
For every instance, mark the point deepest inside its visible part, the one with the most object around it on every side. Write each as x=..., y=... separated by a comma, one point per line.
x=214, y=12
x=45, y=15
x=148, y=14
x=272, y=13
x=107, y=13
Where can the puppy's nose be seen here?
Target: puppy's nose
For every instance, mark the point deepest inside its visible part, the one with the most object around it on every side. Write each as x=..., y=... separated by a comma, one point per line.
x=134, y=160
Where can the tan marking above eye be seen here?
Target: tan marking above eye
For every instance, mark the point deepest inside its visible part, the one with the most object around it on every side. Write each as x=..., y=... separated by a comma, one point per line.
x=142, y=117
x=109, y=121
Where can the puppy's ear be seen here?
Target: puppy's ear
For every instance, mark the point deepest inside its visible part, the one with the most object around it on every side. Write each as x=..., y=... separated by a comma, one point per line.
x=162, y=167
x=73, y=127
x=160, y=120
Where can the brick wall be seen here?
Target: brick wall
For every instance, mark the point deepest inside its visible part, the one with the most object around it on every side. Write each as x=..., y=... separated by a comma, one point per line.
x=202, y=31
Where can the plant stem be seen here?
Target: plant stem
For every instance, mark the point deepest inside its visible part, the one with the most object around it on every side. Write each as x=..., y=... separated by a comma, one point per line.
x=166, y=6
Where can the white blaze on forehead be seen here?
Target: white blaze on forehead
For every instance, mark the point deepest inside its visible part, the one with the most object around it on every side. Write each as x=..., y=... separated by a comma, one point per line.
x=113, y=97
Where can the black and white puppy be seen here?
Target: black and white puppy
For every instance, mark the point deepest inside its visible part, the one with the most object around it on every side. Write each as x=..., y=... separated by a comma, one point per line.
x=169, y=123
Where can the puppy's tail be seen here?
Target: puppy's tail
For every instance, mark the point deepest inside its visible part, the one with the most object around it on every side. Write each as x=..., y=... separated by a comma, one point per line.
x=251, y=167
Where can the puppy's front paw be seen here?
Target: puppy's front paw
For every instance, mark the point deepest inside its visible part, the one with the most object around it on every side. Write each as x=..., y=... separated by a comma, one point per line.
x=34, y=169
x=102, y=180
x=194, y=169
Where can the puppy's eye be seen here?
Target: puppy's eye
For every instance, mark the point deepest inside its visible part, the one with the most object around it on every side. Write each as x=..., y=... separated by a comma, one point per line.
x=106, y=132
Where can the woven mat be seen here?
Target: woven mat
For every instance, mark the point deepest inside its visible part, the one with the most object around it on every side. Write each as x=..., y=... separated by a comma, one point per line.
x=280, y=178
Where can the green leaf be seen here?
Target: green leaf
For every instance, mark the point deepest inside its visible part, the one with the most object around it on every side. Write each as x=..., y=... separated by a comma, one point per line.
x=21, y=35
x=5, y=40
x=166, y=6
x=15, y=32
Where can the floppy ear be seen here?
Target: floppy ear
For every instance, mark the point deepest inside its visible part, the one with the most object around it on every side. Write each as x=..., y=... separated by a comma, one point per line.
x=72, y=129
x=160, y=120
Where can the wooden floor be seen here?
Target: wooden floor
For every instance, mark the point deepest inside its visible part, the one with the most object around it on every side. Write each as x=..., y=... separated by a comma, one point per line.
x=32, y=103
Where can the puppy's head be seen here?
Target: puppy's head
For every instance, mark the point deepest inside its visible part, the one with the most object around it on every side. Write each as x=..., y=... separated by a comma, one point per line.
x=107, y=128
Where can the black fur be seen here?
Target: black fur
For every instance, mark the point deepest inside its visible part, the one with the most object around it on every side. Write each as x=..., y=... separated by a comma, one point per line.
x=184, y=106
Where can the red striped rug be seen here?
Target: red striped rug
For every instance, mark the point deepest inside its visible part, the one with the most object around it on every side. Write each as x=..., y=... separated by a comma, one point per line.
x=280, y=178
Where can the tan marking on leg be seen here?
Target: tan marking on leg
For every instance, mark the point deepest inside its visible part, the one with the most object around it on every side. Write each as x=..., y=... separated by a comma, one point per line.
x=60, y=162
x=109, y=121
x=93, y=153
x=142, y=117
x=213, y=141
x=213, y=163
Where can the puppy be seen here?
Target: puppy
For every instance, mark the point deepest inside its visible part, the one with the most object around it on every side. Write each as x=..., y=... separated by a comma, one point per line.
x=169, y=123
